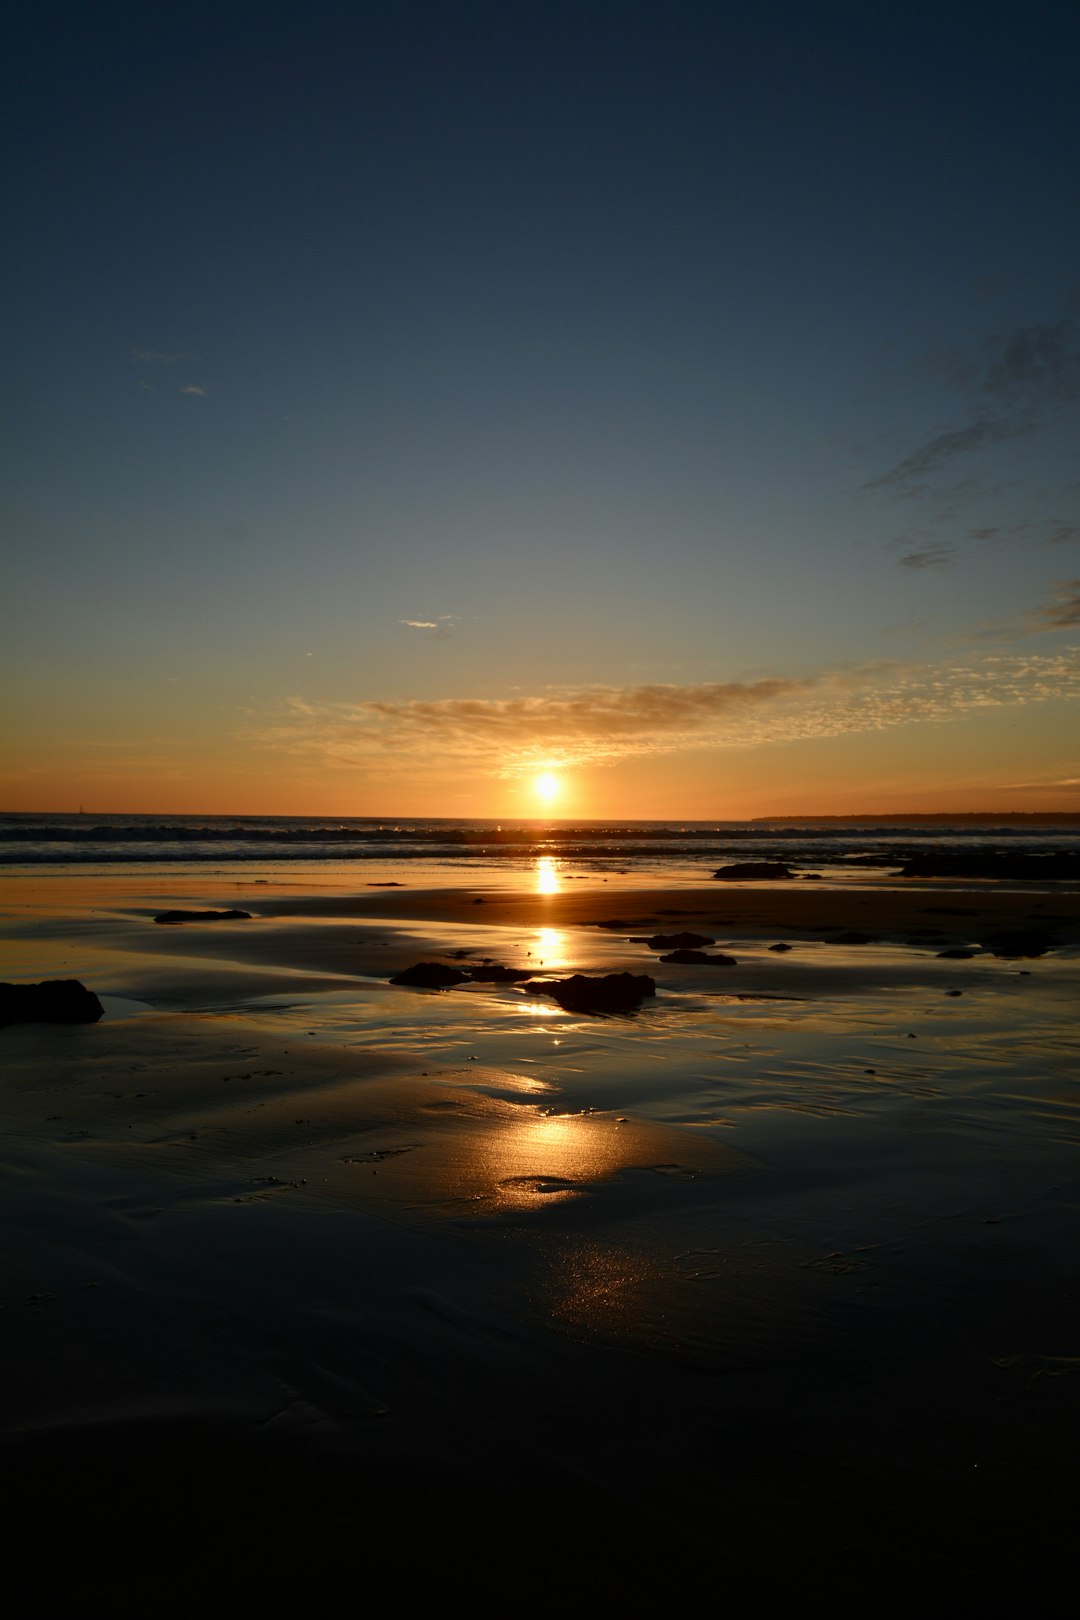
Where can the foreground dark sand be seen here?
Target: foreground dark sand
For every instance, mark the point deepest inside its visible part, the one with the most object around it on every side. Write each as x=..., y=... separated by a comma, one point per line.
x=319, y=1288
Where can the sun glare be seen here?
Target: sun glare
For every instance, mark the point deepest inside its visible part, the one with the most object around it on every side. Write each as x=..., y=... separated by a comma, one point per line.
x=547, y=787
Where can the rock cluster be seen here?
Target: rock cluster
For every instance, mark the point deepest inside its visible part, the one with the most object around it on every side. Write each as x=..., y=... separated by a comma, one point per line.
x=614, y=992
x=753, y=871
x=201, y=916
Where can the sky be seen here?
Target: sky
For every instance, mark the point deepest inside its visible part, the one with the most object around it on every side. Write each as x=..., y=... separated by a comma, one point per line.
x=408, y=400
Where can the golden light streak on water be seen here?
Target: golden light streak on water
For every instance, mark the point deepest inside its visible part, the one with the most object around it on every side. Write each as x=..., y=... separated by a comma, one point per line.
x=547, y=875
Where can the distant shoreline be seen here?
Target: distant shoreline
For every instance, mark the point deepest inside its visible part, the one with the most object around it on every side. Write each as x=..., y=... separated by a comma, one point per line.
x=988, y=818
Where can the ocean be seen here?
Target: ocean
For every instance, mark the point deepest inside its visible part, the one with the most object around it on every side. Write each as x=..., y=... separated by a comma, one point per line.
x=440, y=845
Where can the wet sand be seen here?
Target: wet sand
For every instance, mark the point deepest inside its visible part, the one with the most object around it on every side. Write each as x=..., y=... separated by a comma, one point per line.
x=319, y=1287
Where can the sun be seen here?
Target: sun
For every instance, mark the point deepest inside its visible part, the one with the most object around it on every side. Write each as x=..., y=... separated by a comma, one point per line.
x=547, y=787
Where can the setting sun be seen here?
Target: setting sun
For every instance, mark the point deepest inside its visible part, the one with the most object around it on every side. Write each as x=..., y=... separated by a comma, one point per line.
x=547, y=787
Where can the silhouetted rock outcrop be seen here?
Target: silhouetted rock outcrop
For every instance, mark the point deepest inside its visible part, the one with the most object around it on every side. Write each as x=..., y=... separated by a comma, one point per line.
x=751, y=871
x=781, y=945
x=55, y=1001
x=202, y=916
x=615, y=992
x=1020, y=942
x=990, y=863
x=430, y=976
x=671, y=942
x=685, y=956
x=956, y=954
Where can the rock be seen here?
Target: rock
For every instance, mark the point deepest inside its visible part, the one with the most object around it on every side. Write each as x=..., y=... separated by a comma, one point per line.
x=671, y=942
x=430, y=976
x=719, y=960
x=493, y=974
x=1020, y=942
x=615, y=992
x=54, y=1001
x=202, y=916
x=781, y=945
x=957, y=955
x=751, y=871
x=1055, y=865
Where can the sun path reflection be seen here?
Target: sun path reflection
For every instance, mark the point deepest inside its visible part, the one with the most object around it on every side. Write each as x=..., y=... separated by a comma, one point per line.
x=547, y=875
x=550, y=950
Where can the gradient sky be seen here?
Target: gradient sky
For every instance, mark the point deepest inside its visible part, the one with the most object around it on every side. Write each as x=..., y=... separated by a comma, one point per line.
x=407, y=397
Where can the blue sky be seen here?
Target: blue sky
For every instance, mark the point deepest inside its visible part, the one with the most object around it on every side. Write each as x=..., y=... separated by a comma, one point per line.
x=628, y=347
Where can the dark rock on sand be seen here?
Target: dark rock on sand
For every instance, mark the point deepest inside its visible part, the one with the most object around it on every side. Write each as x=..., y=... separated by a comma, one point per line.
x=753, y=870
x=685, y=956
x=781, y=945
x=957, y=955
x=55, y=1001
x=430, y=976
x=492, y=973
x=202, y=916
x=615, y=992
x=1020, y=942
x=671, y=942
x=991, y=863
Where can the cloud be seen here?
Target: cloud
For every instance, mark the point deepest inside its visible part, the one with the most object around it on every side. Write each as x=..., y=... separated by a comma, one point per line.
x=929, y=557
x=1064, y=612
x=193, y=388
x=1036, y=365
x=442, y=627
x=936, y=452
x=1023, y=376
x=154, y=357
x=603, y=725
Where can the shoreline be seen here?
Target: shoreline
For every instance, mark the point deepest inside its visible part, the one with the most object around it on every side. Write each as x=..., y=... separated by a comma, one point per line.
x=314, y=1269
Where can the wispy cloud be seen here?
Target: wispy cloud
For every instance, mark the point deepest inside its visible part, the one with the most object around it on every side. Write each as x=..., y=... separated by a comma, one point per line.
x=929, y=557
x=1063, y=612
x=931, y=456
x=601, y=725
x=193, y=388
x=1036, y=365
x=441, y=628
x=1021, y=378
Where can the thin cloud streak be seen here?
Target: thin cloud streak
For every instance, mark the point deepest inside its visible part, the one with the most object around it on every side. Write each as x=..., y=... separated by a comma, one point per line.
x=440, y=628
x=1031, y=373
x=567, y=727
x=1064, y=612
x=936, y=452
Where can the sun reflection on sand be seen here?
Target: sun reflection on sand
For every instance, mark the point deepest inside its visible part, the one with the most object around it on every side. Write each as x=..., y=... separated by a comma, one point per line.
x=550, y=948
x=545, y=1158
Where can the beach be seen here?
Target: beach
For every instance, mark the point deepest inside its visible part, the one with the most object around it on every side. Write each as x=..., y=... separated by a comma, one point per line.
x=318, y=1285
